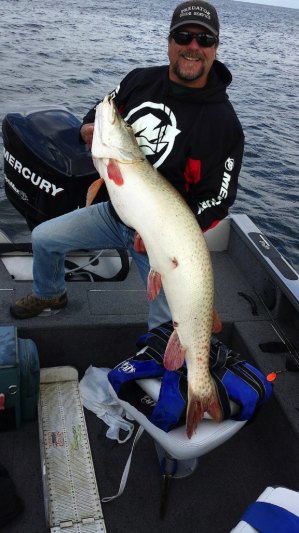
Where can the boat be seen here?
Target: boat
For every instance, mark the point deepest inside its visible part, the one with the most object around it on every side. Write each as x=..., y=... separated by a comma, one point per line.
x=257, y=297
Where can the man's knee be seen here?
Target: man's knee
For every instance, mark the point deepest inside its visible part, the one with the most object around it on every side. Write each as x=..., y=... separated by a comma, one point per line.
x=41, y=234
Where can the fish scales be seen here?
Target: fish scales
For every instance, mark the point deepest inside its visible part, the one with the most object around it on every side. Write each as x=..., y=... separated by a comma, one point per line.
x=177, y=251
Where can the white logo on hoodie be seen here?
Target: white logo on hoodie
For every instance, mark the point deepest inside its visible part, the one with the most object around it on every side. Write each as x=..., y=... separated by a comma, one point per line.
x=155, y=128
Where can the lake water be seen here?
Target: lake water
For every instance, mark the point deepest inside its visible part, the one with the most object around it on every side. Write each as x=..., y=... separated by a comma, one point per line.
x=72, y=52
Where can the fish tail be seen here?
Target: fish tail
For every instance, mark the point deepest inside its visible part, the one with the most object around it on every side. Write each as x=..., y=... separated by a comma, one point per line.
x=197, y=406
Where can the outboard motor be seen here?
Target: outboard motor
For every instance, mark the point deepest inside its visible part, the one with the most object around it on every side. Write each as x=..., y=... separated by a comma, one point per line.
x=47, y=167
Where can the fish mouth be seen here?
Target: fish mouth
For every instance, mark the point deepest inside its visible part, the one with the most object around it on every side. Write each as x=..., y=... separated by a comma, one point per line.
x=115, y=138
x=110, y=109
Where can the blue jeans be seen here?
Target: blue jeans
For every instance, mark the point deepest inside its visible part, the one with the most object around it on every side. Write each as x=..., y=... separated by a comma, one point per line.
x=90, y=228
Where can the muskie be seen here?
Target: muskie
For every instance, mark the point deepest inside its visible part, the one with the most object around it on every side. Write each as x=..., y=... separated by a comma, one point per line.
x=177, y=252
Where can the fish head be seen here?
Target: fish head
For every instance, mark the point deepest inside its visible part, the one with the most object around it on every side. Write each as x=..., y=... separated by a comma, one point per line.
x=113, y=138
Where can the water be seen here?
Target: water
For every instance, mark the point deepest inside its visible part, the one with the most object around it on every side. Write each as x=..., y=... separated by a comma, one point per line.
x=72, y=52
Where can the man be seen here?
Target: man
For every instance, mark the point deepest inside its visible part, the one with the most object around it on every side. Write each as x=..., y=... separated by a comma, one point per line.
x=188, y=130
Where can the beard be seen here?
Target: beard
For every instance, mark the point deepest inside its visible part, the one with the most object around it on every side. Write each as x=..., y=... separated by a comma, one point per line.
x=191, y=73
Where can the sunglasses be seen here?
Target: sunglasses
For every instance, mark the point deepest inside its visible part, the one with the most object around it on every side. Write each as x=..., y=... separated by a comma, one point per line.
x=206, y=40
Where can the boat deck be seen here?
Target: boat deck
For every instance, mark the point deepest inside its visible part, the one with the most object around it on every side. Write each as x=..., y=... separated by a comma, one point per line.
x=100, y=327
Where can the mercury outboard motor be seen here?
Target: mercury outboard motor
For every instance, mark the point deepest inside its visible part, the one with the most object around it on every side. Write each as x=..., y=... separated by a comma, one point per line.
x=47, y=167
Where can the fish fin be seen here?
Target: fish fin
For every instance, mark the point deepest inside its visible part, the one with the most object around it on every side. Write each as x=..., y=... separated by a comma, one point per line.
x=93, y=190
x=217, y=324
x=139, y=244
x=197, y=407
x=153, y=285
x=174, y=356
x=114, y=173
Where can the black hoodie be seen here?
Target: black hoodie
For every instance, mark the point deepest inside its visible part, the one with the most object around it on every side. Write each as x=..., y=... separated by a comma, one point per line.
x=192, y=136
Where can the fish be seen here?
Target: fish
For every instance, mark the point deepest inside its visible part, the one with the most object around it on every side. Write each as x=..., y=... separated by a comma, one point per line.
x=178, y=255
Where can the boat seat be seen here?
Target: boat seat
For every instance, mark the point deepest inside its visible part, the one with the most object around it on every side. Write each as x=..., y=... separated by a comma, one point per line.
x=284, y=499
x=175, y=444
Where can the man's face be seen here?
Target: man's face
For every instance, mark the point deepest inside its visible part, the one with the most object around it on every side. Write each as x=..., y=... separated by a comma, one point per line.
x=190, y=64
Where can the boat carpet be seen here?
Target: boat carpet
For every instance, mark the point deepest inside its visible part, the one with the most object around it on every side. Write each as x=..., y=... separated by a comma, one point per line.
x=211, y=500
x=101, y=329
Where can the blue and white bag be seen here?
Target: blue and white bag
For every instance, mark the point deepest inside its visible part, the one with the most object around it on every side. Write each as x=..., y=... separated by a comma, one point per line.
x=235, y=380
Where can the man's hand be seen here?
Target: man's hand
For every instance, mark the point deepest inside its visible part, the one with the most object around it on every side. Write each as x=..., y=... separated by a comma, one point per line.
x=86, y=133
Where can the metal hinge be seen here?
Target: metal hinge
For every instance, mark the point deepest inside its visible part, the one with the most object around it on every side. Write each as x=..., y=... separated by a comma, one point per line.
x=70, y=523
x=66, y=524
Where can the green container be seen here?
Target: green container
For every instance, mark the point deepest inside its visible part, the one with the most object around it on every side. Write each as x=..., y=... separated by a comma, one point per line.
x=10, y=373
x=19, y=374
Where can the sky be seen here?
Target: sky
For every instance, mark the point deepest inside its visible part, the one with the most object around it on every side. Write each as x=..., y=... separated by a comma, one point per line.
x=282, y=3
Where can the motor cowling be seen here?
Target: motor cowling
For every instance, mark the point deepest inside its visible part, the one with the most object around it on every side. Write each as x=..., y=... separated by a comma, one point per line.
x=47, y=167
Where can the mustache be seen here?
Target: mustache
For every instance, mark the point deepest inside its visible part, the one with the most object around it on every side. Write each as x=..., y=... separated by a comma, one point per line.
x=192, y=54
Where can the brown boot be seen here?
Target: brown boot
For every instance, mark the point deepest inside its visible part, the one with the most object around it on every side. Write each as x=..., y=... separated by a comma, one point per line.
x=31, y=305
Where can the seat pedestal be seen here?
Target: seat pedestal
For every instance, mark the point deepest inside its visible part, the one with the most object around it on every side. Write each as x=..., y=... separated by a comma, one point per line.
x=173, y=467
